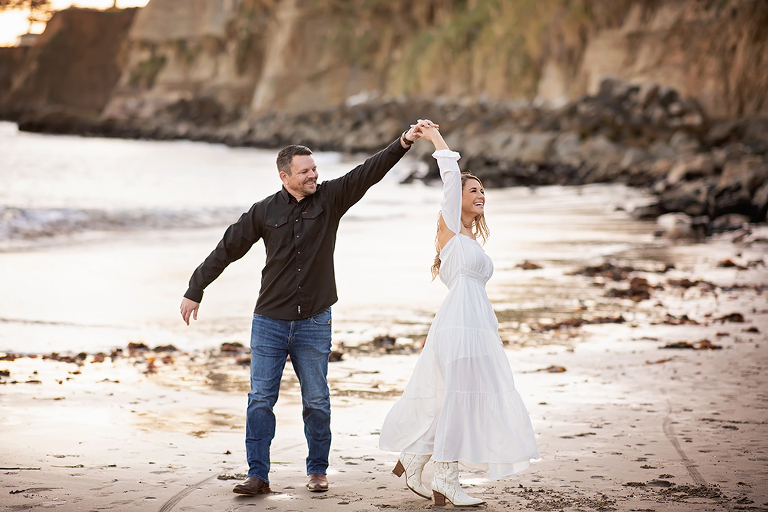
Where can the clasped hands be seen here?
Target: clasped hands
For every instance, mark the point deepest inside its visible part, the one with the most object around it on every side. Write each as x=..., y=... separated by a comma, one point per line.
x=422, y=128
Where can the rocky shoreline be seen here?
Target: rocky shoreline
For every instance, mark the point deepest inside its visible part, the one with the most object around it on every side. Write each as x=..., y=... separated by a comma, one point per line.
x=712, y=174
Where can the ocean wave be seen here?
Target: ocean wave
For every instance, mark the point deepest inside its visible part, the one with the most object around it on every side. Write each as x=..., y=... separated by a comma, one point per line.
x=44, y=223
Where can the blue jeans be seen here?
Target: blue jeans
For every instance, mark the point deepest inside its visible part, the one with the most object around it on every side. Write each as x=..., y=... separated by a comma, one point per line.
x=308, y=342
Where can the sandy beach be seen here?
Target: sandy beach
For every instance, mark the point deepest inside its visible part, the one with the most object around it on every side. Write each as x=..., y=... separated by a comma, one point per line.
x=627, y=426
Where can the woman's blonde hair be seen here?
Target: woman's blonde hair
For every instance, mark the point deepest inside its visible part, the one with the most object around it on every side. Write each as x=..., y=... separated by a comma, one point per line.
x=479, y=227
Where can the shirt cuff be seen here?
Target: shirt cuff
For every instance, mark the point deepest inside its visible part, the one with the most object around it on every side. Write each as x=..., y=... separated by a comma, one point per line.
x=446, y=153
x=397, y=144
x=194, y=295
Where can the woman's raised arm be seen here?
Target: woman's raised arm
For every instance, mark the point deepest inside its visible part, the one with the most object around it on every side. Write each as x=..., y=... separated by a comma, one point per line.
x=447, y=161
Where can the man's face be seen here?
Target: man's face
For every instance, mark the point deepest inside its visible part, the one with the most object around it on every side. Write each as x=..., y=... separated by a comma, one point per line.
x=302, y=181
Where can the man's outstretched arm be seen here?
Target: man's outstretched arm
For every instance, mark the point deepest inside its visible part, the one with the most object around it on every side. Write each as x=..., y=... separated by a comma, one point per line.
x=237, y=240
x=350, y=188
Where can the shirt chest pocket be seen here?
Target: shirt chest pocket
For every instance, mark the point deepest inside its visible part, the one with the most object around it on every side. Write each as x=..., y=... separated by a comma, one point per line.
x=278, y=232
x=312, y=220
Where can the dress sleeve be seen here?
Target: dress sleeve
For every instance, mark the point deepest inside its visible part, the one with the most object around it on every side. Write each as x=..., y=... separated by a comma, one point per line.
x=447, y=161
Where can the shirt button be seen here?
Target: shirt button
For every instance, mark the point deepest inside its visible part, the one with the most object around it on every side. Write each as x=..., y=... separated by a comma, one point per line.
x=297, y=220
x=299, y=270
x=298, y=252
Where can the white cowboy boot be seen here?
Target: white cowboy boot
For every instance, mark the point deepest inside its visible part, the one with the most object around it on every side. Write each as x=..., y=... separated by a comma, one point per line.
x=445, y=486
x=413, y=465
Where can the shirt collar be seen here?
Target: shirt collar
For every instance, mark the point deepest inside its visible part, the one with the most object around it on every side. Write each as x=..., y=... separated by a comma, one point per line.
x=286, y=195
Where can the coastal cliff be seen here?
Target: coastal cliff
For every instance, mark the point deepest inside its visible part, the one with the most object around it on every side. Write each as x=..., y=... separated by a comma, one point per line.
x=11, y=61
x=73, y=65
x=215, y=61
x=299, y=55
x=202, y=52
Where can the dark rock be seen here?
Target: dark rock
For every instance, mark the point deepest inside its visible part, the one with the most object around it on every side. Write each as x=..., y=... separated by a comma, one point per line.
x=166, y=348
x=57, y=121
x=699, y=345
x=667, y=96
x=691, y=167
x=638, y=290
x=383, y=341
x=683, y=320
x=607, y=270
x=528, y=265
x=725, y=131
x=729, y=263
x=201, y=111
x=683, y=142
x=600, y=150
x=760, y=202
x=738, y=183
x=733, y=317
x=234, y=346
x=689, y=197
x=729, y=222
x=648, y=212
x=633, y=157
x=687, y=283
x=578, y=322
x=565, y=149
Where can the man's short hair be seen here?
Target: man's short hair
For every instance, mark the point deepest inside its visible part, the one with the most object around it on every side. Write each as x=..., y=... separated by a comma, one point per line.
x=285, y=157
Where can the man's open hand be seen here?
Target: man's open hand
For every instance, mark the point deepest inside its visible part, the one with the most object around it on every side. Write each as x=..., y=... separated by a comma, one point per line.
x=189, y=308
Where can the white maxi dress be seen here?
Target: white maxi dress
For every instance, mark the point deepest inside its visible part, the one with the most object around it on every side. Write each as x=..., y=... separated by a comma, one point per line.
x=461, y=403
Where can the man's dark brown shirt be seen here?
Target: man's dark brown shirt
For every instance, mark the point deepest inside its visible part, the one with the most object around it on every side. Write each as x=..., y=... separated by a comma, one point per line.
x=298, y=279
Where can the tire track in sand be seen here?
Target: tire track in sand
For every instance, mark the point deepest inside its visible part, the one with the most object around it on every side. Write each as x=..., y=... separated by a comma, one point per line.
x=176, y=498
x=669, y=431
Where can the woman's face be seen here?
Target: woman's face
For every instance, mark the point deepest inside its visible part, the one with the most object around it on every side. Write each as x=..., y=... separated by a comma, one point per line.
x=473, y=198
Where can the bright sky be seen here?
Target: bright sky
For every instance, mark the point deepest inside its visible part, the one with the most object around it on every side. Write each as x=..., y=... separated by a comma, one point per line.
x=14, y=23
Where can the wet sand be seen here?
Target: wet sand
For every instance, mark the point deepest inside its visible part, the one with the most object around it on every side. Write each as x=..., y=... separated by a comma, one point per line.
x=627, y=426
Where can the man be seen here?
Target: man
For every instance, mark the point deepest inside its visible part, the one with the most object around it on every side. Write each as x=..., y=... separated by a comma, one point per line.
x=292, y=315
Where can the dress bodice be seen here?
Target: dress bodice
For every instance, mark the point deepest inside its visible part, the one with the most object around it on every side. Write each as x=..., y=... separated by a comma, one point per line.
x=464, y=257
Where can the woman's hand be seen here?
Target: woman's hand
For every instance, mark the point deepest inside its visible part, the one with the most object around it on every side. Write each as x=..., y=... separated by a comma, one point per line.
x=424, y=126
x=431, y=132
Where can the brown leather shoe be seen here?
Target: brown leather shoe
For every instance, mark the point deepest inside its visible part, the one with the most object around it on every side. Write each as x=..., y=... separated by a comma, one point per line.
x=252, y=486
x=318, y=482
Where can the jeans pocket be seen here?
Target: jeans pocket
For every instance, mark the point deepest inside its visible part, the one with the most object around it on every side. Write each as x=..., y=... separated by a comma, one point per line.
x=322, y=318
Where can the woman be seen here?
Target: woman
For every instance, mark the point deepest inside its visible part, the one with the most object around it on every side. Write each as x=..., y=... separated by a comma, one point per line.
x=461, y=403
